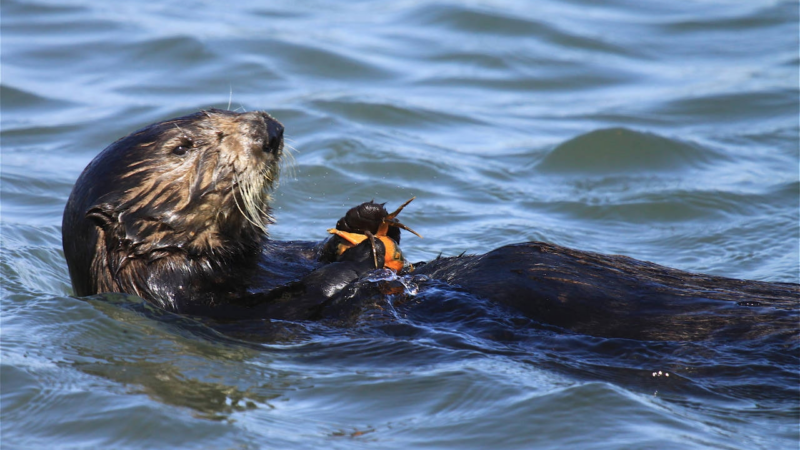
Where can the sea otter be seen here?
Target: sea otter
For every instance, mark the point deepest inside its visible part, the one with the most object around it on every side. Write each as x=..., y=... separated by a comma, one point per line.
x=177, y=213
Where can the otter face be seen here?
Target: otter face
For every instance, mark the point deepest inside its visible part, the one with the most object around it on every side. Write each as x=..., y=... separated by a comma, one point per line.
x=204, y=176
x=192, y=186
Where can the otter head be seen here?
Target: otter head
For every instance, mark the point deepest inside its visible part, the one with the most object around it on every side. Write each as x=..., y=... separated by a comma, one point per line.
x=180, y=196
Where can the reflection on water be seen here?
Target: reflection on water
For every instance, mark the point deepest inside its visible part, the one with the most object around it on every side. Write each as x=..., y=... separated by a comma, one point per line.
x=665, y=132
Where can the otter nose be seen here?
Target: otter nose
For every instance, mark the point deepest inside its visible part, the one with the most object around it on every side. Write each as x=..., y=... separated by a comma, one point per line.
x=275, y=134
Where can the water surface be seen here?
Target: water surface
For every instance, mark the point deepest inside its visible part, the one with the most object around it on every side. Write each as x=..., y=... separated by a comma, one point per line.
x=659, y=130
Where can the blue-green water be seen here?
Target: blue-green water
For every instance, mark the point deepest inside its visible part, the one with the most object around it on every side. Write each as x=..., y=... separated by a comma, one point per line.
x=665, y=131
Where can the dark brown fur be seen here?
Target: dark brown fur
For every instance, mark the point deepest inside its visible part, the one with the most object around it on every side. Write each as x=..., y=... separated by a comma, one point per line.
x=176, y=213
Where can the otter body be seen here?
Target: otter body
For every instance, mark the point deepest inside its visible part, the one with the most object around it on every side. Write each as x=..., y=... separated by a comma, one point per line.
x=176, y=213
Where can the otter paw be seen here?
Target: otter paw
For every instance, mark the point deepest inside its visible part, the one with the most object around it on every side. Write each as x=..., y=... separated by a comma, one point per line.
x=369, y=222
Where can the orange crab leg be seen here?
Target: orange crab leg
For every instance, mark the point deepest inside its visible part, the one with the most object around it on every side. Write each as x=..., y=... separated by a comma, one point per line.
x=353, y=238
x=394, y=257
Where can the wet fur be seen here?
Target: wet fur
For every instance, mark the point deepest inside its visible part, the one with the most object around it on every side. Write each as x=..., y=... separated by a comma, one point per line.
x=173, y=224
x=188, y=232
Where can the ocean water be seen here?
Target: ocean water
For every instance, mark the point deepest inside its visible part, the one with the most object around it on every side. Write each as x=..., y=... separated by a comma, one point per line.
x=665, y=131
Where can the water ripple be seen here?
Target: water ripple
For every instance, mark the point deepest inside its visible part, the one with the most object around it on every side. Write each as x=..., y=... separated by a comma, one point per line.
x=663, y=131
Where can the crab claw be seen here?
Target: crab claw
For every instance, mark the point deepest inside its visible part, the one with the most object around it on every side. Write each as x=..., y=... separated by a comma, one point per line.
x=397, y=224
x=391, y=221
x=397, y=211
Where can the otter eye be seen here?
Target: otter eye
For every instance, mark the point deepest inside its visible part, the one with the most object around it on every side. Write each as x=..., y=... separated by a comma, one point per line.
x=183, y=147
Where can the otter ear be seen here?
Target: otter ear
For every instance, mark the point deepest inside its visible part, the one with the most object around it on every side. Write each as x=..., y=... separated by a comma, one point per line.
x=102, y=215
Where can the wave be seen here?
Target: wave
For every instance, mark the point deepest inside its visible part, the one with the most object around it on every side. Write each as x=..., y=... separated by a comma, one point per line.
x=621, y=150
